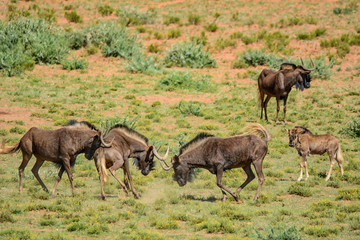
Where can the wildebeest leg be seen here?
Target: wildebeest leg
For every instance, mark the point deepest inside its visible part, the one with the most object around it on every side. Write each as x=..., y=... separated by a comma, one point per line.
x=250, y=177
x=261, y=97
x=265, y=107
x=35, y=170
x=302, y=165
x=223, y=188
x=127, y=168
x=285, y=99
x=58, y=178
x=66, y=164
x=126, y=182
x=332, y=163
x=277, y=109
x=260, y=174
x=26, y=158
x=113, y=169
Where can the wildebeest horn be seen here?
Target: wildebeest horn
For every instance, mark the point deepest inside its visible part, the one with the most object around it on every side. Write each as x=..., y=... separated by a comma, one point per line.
x=312, y=69
x=107, y=145
x=163, y=159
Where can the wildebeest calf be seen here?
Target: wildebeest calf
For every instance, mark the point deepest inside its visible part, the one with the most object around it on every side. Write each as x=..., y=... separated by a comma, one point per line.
x=307, y=143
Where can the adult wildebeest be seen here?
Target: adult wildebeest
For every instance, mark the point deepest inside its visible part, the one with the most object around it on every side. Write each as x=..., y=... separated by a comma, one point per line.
x=127, y=143
x=307, y=143
x=278, y=84
x=60, y=146
x=220, y=154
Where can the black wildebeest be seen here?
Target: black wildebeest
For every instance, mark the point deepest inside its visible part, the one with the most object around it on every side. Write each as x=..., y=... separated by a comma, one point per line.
x=219, y=154
x=60, y=146
x=307, y=143
x=127, y=143
x=278, y=84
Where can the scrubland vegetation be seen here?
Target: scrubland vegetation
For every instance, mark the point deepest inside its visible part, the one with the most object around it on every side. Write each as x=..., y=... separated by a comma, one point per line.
x=170, y=70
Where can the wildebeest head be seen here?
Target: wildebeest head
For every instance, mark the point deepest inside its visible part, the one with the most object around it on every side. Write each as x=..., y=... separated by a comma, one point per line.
x=294, y=133
x=304, y=78
x=182, y=172
x=93, y=137
x=144, y=160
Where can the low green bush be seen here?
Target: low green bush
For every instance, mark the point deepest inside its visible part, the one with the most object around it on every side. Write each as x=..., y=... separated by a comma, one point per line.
x=194, y=19
x=105, y=10
x=300, y=188
x=174, y=33
x=171, y=20
x=353, y=128
x=179, y=80
x=73, y=16
x=141, y=63
x=74, y=63
x=131, y=16
x=279, y=233
x=188, y=54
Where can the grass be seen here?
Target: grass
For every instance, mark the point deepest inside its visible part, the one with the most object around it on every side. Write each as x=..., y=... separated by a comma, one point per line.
x=172, y=104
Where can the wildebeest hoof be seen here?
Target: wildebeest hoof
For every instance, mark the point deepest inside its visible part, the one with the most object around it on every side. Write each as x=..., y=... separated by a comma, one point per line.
x=103, y=198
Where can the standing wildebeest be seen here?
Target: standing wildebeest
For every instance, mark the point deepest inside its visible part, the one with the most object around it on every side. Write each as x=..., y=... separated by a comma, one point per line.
x=307, y=143
x=127, y=143
x=278, y=84
x=219, y=154
x=60, y=146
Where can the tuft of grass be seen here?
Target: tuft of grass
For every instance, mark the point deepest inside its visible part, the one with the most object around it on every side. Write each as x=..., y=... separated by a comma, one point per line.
x=300, y=188
x=211, y=27
x=353, y=128
x=194, y=19
x=171, y=20
x=73, y=16
x=74, y=63
x=174, y=33
x=348, y=194
x=105, y=10
x=132, y=16
x=279, y=233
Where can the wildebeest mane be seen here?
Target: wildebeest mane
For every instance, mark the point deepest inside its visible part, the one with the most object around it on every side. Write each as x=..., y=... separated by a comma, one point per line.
x=305, y=129
x=199, y=137
x=130, y=132
x=286, y=65
x=82, y=123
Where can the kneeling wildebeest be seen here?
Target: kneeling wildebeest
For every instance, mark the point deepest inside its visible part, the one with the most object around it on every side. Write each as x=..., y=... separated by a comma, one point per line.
x=127, y=143
x=307, y=143
x=220, y=154
x=60, y=146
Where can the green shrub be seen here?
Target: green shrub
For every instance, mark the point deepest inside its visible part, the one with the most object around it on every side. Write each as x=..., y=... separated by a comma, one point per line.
x=163, y=223
x=171, y=20
x=73, y=16
x=222, y=43
x=174, y=33
x=13, y=13
x=190, y=108
x=188, y=54
x=105, y=10
x=178, y=80
x=255, y=58
x=16, y=234
x=6, y=216
x=97, y=228
x=348, y=194
x=312, y=35
x=4, y=132
x=18, y=130
x=194, y=19
x=154, y=48
x=74, y=63
x=76, y=226
x=212, y=225
x=279, y=233
x=277, y=42
x=322, y=231
x=131, y=16
x=300, y=188
x=199, y=40
x=92, y=50
x=342, y=43
x=28, y=42
x=211, y=27
x=353, y=128
x=143, y=64
x=49, y=15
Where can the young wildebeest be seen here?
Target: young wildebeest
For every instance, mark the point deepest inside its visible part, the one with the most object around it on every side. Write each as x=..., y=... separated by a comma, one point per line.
x=278, y=84
x=307, y=143
x=127, y=143
x=219, y=154
x=60, y=146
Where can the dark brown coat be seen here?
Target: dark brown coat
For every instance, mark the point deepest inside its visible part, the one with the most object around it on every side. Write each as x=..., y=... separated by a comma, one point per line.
x=60, y=146
x=219, y=154
x=278, y=84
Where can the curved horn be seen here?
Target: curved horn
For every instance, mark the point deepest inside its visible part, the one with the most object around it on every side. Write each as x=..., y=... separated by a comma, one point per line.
x=107, y=145
x=302, y=61
x=312, y=69
x=162, y=159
